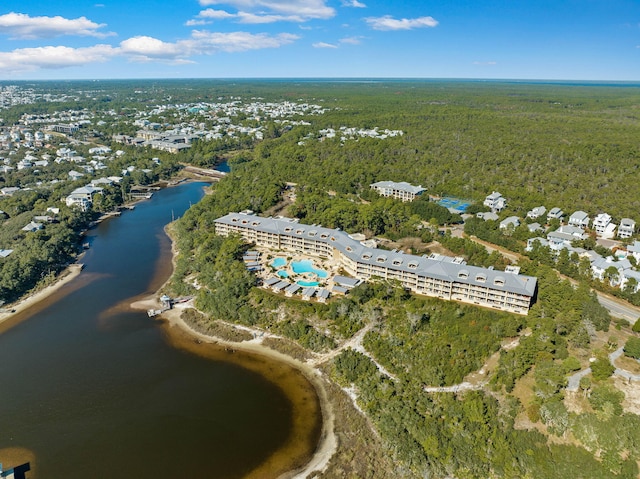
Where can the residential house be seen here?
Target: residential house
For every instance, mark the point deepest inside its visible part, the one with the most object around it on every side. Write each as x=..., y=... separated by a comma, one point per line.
x=555, y=214
x=535, y=228
x=9, y=191
x=487, y=216
x=24, y=164
x=630, y=276
x=564, y=236
x=401, y=190
x=603, y=226
x=600, y=266
x=532, y=241
x=634, y=249
x=75, y=175
x=495, y=201
x=82, y=197
x=627, y=228
x=33, y=226
x=510, y=222
x=537, y=212
x=579, y=219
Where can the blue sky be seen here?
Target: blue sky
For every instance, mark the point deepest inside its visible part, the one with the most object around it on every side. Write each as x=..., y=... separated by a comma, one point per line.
x=511, y=39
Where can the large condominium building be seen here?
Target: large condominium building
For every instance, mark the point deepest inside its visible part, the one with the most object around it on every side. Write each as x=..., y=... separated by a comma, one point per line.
x=403, y=190
x=440, y=276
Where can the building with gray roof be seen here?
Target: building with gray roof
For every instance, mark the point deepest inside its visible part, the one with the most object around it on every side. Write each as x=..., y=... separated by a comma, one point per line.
x=435, y=275
x=403, y=191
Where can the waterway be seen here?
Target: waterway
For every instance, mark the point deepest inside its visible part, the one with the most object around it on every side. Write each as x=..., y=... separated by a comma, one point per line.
x=94, y=389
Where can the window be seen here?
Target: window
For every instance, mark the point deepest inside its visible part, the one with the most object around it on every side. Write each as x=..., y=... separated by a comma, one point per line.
x=413, y=265
x=481, y=278
x=463, y=274
x=288, y=229
x=397, y=262
x=381, y=259
x=499, y=281
x=366, y=256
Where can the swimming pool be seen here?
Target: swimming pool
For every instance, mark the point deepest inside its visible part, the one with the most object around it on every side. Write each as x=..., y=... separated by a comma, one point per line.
x=283, y=274
x=279, y=262
x=306, y=266
x=307, y=283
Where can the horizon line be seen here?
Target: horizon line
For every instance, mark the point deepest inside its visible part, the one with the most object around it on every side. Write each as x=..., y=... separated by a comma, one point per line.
x=328, y=78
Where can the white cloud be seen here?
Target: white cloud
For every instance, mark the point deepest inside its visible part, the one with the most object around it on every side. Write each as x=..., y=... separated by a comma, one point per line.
x=211, y=42
x=353, y=3
x=29, y=59
x=215, y=14
x=387, y=22
x=140, y=49
x=23, y=26
x=324, y=45
x=290, y=10
x=352, y=40
x=145, y=49
x=205, y=17
x=196, y=23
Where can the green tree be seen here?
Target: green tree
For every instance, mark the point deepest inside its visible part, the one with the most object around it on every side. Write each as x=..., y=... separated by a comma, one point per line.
x=632, y=347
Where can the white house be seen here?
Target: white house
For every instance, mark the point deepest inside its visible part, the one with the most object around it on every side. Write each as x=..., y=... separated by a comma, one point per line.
x=564, y=236
x=630, y=274
x=579, y=219
x=487, y=216
x=627, y=228
x=82, y=197
x=535, y=228
x=555, y=214
x=599, y=268
x=495, y=201
x=634, y=249
x=603, y=226
x=33, y=226
x=531, y=242
x=537, y=212
x=75, y=175
x=511, y=220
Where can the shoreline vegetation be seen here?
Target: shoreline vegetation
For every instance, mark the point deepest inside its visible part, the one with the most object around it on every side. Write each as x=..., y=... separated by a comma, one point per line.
x=303, y=384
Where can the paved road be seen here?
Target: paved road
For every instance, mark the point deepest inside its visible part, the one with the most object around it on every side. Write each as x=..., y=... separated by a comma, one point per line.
x=619, y=309
x=574, y=381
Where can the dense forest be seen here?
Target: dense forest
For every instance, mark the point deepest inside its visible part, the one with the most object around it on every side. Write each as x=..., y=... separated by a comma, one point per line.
x=572, y=146
x=557, y=145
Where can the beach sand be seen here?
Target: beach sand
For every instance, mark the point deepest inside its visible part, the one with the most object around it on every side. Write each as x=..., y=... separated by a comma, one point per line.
x=31, y=301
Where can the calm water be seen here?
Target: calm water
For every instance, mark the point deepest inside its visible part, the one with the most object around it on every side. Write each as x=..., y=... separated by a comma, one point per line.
x=94, y=390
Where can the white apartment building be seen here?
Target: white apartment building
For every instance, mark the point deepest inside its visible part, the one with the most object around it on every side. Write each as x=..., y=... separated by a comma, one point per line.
x=402, y=190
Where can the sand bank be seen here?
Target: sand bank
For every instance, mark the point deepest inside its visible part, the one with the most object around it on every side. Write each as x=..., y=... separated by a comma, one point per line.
x=260, y=358
x=31, y=300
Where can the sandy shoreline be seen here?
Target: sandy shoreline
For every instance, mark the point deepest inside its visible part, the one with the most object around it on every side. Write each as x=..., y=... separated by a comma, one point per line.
x=66, y=276
x=327, y=443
